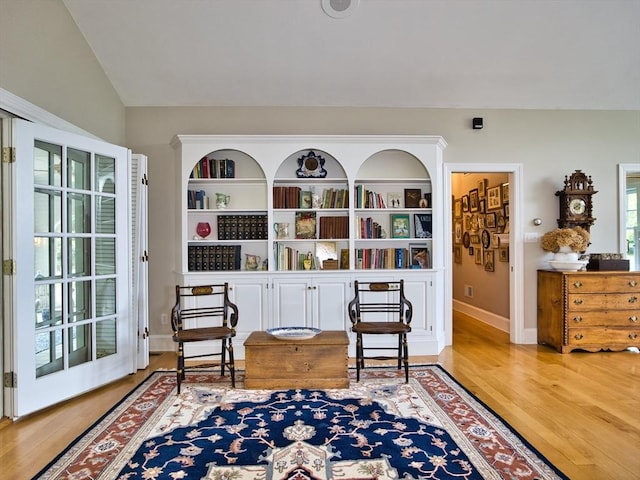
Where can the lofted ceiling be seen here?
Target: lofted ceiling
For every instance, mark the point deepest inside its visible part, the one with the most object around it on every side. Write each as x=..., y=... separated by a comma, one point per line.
x=542, y=54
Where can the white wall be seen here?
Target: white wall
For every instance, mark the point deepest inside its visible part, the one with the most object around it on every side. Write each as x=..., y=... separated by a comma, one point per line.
x=45, y=60
x=549, y=145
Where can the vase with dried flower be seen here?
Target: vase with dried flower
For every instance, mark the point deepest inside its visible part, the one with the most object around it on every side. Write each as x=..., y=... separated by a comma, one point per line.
x=567, y=244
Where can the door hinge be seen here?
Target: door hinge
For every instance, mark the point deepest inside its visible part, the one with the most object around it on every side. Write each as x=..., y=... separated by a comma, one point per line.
x=9, y=267
x=144, y=257
x=145, y=180
x=10, y=380
x=8, y=155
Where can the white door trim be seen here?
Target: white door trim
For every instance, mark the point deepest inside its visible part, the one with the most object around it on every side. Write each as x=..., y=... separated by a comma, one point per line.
x=517, y=332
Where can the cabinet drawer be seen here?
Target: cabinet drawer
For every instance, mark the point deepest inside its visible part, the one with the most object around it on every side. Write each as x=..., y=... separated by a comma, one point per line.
x=603, y=336
x=606, y=301
x=603, y=283
x=606, y=318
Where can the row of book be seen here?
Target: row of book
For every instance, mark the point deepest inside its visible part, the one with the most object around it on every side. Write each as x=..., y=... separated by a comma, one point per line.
x=289, y=258
x=370, y=229
x=213, y=258
x=242, y=227
x=214, y=168
x=368, y=198
x=392, y=258
x=296, y=197
x=334, y=227
x=197, y=200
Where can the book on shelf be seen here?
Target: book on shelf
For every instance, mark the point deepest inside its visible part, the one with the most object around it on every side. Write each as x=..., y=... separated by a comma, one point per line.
x=382, y=258
x=214, y=168
x=242, y=227
x=213, y=257
x=334, y=227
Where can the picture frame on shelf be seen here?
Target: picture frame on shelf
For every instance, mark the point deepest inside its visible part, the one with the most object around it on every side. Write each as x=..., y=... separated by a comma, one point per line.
x=306, y=225
x=412, y=197
x=326, y=251
x=423, y=225
x=394, y=200
x=494, y=197
x=400, y=227
x=474, y=200
x=305, y=199
x=420, y=256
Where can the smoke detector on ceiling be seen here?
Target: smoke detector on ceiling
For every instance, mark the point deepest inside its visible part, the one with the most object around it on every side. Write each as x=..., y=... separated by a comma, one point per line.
x=339, y=8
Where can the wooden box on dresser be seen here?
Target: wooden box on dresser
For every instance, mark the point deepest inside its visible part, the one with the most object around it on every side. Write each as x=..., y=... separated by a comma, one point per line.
x=589, y=310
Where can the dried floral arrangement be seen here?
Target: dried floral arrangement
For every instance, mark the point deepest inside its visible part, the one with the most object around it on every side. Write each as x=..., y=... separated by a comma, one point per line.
x=576, y=238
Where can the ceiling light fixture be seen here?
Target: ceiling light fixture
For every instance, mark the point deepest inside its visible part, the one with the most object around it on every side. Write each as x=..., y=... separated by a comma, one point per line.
x=339, y=8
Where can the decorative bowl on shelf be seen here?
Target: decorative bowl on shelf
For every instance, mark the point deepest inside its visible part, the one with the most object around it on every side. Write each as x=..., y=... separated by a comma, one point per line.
x=570, y=266
x=293, y=333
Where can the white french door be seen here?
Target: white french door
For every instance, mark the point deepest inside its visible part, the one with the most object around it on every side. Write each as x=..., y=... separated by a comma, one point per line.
x=67, y=286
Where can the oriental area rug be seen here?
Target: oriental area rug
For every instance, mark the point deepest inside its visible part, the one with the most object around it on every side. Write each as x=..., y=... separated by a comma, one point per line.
x=380, y=428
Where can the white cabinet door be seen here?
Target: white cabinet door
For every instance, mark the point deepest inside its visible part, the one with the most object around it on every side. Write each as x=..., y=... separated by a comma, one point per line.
x=302, y=301
x=292, y=302
x=417, y=292
x=250, y=295
x=331, y=296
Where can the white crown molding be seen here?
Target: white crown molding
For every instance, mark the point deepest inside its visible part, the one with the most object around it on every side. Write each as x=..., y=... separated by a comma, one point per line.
x=28, y=111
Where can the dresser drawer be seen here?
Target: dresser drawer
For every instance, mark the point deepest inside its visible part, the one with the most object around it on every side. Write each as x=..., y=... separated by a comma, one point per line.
x=605, y=301
x=604, y=318
x=603, y=336
x=603, y=283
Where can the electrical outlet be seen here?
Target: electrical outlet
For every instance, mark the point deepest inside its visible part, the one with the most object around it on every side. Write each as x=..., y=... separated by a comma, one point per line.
x=164, y=319
x=468, y=291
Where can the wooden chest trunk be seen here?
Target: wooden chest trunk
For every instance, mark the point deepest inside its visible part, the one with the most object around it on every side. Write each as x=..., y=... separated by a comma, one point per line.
x=589, y=310
x=319, y=362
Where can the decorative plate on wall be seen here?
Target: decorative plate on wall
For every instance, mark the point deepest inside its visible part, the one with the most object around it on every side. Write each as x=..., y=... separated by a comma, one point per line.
x=311, y=166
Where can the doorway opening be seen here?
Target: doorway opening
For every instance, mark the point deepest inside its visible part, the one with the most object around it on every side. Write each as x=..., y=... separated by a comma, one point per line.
x=497, y=194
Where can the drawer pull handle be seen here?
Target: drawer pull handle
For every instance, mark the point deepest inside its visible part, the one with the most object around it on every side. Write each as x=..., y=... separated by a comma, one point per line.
x=577, y=284
x=633, y=336
x=632, y=283
x=577, y=319
x=578, y=336
x=633, y=299
x=578, y=301
x=633, y=318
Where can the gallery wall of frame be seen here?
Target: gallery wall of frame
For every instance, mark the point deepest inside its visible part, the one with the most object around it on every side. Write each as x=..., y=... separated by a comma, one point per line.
x=480, y=211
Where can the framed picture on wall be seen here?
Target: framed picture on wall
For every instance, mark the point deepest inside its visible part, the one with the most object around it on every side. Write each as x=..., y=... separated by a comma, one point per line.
x=474, y=200
x=457, y=208
x=489, y=261
x=494, y=198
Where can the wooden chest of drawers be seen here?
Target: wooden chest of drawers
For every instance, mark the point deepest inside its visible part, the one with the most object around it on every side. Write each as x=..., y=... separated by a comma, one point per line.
x=589, y=310
x=320, y=362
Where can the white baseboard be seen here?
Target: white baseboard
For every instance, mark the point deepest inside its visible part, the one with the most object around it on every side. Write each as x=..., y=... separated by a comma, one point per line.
x=497, y=321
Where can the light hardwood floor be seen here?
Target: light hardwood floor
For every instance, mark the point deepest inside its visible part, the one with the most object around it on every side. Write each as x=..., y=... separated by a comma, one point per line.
x=580, y=410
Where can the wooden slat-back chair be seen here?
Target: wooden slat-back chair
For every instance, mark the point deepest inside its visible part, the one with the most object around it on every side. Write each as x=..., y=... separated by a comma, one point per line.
x=204, y=313
x=380, y=308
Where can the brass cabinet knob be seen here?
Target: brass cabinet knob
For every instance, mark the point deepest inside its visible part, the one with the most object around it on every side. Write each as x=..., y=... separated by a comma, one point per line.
x=577, y=284
x=633, y=318
x=577, y=319
x=578, y=301
x=632, y=283
x=633, y=336
x=578, y=336
x=633, y=299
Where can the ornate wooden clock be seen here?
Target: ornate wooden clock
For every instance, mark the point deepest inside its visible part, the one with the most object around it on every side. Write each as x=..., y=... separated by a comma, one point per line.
x=575, y=201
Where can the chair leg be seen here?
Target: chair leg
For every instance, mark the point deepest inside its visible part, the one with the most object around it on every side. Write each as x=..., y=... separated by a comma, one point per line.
x=223, y=356
x=232, y=365
x=405, y=358
x=400, y=351
x=180, y=373
x=359, y=356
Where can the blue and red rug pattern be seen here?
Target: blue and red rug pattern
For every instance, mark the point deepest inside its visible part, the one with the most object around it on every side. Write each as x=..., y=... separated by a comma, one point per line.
x=380, y=428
